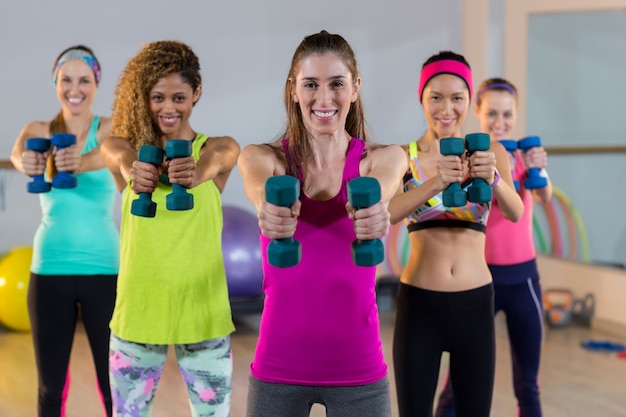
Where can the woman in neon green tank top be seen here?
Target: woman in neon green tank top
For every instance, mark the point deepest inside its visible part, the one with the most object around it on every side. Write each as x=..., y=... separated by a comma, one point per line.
x=172, y=283
x=76, y=246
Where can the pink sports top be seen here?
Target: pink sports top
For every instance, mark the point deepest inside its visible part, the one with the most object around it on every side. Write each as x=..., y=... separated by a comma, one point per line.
x=512, y=242
x=320, y=323
x=434, y=213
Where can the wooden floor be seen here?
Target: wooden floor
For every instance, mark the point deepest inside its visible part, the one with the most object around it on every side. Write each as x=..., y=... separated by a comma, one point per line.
x=574, y=381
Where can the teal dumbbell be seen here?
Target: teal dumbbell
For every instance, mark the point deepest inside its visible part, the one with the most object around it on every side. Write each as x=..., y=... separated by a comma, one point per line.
x=479, y=191
x=63, y=179
x=144, y=206
x=179, y=198
x=453, y=195
x=38, y=184
x=364, y=192
x=511, y=146
x=283, y=190
x=534, y=180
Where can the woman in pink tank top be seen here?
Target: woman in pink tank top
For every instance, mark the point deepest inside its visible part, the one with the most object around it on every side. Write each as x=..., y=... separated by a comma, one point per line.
x=319, y=340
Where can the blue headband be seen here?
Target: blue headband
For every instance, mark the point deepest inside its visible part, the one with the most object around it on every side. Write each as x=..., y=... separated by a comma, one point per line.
x=78, y=55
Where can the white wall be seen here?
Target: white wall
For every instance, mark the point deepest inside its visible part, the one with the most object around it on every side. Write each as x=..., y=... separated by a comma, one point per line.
x=245, y=49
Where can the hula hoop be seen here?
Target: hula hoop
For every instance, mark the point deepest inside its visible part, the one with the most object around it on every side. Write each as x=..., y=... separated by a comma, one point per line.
x=580, y=226
x=571, y=227
x=555, y=230
x=542, y=242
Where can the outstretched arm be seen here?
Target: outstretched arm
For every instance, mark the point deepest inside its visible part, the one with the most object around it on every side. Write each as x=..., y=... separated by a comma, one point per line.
x=257, y=163
x=217, y=159
x=386, y=163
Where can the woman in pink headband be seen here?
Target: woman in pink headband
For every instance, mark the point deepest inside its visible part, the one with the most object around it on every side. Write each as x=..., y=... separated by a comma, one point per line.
x=76, y=247
x=510, y=252
x=445, y=297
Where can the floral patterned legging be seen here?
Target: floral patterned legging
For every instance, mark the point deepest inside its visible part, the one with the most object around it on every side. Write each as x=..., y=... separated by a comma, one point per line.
x=135, y=370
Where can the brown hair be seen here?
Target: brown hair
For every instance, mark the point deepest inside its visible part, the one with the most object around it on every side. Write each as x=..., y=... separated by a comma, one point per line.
x=495, y=84
x=132, y=118
x=295, y=131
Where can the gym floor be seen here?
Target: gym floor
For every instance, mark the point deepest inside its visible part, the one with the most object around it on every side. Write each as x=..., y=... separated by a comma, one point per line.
x=574, y=381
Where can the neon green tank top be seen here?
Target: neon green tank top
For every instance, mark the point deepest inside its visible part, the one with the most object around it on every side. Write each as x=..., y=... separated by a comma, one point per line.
x=172, y=282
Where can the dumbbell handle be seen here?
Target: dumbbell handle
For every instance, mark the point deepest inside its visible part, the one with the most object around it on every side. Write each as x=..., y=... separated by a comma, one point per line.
x=453, y=195
x=283, y=190
x=144, y=206
x=63, y=179
x=534, y=180
x=364, y=192
x=38, y=184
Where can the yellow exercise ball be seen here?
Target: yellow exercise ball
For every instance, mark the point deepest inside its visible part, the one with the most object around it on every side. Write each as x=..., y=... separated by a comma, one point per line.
x=14, y=279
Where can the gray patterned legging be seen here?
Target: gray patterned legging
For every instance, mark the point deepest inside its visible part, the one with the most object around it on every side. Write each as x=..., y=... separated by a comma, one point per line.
x=135, y=370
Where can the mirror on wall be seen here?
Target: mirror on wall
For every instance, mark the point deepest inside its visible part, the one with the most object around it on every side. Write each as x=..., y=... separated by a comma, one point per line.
x=576, y=97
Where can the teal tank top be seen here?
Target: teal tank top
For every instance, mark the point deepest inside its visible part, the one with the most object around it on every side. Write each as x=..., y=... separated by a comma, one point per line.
x=77, y=234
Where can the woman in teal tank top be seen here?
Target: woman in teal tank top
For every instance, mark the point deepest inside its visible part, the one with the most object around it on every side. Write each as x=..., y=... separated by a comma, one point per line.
x=172, y=284
x=76, y=247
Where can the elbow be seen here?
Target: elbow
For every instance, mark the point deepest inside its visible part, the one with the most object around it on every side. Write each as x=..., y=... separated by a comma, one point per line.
x=514, y=215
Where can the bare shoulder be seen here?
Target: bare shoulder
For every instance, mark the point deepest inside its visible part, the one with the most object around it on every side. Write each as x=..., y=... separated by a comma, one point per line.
x=36, y=129
x=222, y=141
x=104, y=130
x=265, y=154
x=390, y=152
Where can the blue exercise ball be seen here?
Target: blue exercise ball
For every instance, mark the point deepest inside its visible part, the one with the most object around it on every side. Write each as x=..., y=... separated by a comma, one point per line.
x=242, y=252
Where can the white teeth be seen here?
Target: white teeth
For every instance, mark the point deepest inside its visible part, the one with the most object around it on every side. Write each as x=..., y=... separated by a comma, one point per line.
x=324, y=113
x=74, y=100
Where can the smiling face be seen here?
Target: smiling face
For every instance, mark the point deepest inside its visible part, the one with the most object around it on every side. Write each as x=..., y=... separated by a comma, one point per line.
x=76, y=86
x=445, y=101
x=325, y=88
x=171, y=104
x=497, y=113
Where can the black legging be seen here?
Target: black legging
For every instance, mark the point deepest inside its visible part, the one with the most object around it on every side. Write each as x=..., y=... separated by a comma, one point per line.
x=431, y=322
x=53, y=302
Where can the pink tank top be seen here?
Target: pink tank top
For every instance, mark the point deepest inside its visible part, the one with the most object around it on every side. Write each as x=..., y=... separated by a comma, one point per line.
x=508, y=242
x=320, y=321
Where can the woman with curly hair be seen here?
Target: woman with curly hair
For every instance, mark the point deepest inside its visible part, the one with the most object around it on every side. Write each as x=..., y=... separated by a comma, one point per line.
x=76, y=246
x=172, y=284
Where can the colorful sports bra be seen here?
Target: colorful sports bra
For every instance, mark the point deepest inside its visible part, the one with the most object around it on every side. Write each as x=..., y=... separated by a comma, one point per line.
x=433, y=213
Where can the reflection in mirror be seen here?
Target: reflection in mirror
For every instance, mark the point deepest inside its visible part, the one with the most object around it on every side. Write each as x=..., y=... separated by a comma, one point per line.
x=576, y=89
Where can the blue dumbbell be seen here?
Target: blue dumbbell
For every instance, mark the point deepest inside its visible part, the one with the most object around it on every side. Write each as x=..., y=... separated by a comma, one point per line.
x=144, y=206
x=364, y=192
x=63, y=179
x=453, y=195
x=511, y=146
x=534, y=180
x=179, y=198
x=38, y=184
x=283, y=190
x=479, y=191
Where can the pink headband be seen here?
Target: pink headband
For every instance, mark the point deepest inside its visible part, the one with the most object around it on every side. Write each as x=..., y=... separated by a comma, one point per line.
x=447, y=66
